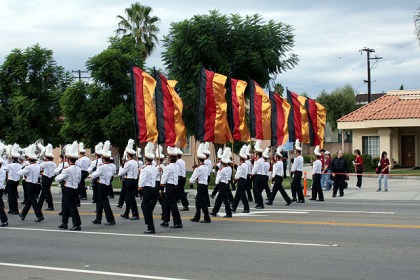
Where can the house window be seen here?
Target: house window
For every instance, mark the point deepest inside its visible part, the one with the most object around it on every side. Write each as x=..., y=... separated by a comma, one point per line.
x=370, y=145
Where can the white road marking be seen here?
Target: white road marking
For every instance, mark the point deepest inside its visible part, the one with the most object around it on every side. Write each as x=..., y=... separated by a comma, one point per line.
x=172, y=237
x=87, y=271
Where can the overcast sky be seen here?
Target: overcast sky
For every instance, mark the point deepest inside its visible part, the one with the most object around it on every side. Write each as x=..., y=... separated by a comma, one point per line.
x=329, y=35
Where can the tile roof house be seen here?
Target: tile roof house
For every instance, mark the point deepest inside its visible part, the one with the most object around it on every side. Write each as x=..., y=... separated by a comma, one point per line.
x=390, y=123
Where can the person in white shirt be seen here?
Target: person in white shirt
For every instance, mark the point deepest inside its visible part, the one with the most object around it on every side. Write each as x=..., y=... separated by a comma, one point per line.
x=32, y=173
x=69, y=178
x=3, y=216
x=277, y=178
x=12, y=170
x=147, y=183
x=316, y=176
x=47, y=169
x=241, y=177
x=296, y=171
x=249, y=179
x=201, y=175
x=222, y=180
x=94, y=164
x=182, y=178
x=83, y=162
x=259, y=176
x=267, y=172
x=170, y=182
x=114, y=170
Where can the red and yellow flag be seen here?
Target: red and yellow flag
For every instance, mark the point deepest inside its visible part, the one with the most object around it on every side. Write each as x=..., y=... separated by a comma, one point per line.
x=260, y=112
x=298, y=118
x=280, y=110
x=240, y=130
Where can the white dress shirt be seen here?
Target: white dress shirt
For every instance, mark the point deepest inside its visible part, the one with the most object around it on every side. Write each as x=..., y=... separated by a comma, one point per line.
x=266, y=168
x=60, y=167
x=2, y=178
x=181, y=164
x=12, y=170
x=83, y=163
x=104, y=173
x=242, y=171
x=249, y=164
x=71, y=175
x=209, y=165
x=147, y=176
x=297, y=164
x=31, y=172
x=170, y=174
x=224, y=175
x=93, y=164
x=277, y=169
x=258, y=168
x=130, y=170
x=200, y=173
x=317, y=167
x=159, y=170
x=48, y=167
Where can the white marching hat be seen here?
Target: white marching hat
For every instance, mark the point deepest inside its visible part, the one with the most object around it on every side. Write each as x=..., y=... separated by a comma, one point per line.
x=49, y=151
x=159, y=152
x=148, y=151
x=279, y=150
x=130, y=147
x=179, y=151
x=66, y=149
x=172, y=151
x=257, y=146
x=242, y=152
x=298, y=147
x=219, y=153
x=266, y=153
x=316, y=151
x=41, y=149
x=226, y=155
x=82, y=148
x=206, y=149
x=30, y=152
x=248, y=150
x=201, y=151
x=72, y=150
x=327, y=152
x=15, y=151
x=98, y=148
x=106, y=152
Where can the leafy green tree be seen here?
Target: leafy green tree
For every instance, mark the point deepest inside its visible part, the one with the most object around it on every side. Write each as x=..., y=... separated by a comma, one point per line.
x=279, y=89
x=338, y=103
x=31, y=83
x=140, y=25
x=247, y=47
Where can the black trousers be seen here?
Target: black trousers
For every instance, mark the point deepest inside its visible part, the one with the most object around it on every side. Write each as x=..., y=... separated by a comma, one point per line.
x=95, y=191
x=249, y=188
x=258, y=189
x=130, y=197
x=266, y=186
x=201, y=202
x=207, y=197
x=70, y=207
x=170, y=206
x=339, y=181
x=181, y=191
x=82, y=185
x=223, y=197
x=123, y=193
x=278, y=186
x=111, y=188
x=12, y=195
x=103, y=204
x=25, y=191
x=3, y=216
x=31, y=190
x=46, y=192
x=240, y=195
x=148, y=205
x=359, y=179
x=297, y=186
x=215, y=191
x=317, y=188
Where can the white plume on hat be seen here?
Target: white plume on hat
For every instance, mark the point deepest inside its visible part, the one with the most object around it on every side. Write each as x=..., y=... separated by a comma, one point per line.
x=226, y=155
x=148, y=151
x=266, y=153
x=159, y=152
x=297, y=145
x=130, y=147
x=172, y=151
x=66, y=149
x=179, y=151
x=138, y=152
x=248, y=150
x=98, y=148
x=1, y=149
x=41, y=149
x=49, y=151
x=279, y=150
x=8, y=149
x=316, y=151
x=82, y=148
x=106, y=152
x=242, y=152
x=206, y=149
x=15, y=151
x=30, y=152
x=219, y=153
x=257, y=146
x=72, y=151
x=201, y=150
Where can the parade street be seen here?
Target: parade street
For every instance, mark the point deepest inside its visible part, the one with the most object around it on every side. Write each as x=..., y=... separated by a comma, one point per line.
x=336, y=239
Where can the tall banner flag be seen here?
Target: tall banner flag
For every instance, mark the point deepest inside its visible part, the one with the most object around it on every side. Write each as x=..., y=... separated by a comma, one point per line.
x=212, y=123
x=169, y=106
x=239, y=126
x=298, y=118
x=260, y=112
x=280, y=110
x=144, y=110
x=317, y=116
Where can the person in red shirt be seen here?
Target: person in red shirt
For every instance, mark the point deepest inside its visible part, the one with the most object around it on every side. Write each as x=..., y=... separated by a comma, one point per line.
x=384, y=166
x=358, y=166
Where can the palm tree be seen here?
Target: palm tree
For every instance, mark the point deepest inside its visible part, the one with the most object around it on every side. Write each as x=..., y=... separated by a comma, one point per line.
x=141, y=26
x=417, y=24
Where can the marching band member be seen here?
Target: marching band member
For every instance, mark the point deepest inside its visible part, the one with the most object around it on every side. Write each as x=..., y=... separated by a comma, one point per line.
x=222, y=180
x=316, y=175
x=216, y=169
x=277, y=178
x=159, y=169
x=62, y=164
x=93, y=167
x=47, y=167
x=249, y=178
x=12, y=184
x=241, y=177
x=70, y=177
x=114, y=171
x=103, y=173
x=258, y=172
x=297, y=169
x=209, y=165
x=83, y=162
x=182, y=178
x=266, y=156
x=3, y=216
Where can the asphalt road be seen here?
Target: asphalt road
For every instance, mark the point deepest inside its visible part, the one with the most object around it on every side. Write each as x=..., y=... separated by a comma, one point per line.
x=336, y=239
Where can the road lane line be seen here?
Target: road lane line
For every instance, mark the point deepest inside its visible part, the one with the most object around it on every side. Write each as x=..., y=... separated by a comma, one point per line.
x=96, y=272
x=175, y=237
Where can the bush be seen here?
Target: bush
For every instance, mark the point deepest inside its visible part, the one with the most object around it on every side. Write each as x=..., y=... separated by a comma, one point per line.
x=307, y=159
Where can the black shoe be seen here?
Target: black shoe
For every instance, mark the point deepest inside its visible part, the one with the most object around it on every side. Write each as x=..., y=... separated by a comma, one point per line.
x=212, y=196
x=294, y=199
x=259, y=207
x=341, y=195
x=21, y=217
x=83, y=198
x=233, y=210
x=96, y=222
x=185, y=209
x=135, y=218
x=78, y=228
x=119, y=206
x=60, y=213
x=93, y=201
x=320, y=200
x=205, y=221
x=4, y=224
x=149, y=231
x=14, y=213
x=334, y=196
x=194, y=220
x=9, y=212
x=250, y=200
x=63, y=226
x=245, y=211
x=164, y=224
x=49, y=209
x=213, y=214
x=312, y=199
x=177, y=226
x=40, y=219
x=124, y=216
x=23, y=202
x=110, y=223
x=111, y=196
x=301, y=201
x=288, y=203
x=227, y=216
x=269, y=203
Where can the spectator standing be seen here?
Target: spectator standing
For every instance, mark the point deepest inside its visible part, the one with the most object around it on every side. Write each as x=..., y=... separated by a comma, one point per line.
x=358, y=167
x=383, y=165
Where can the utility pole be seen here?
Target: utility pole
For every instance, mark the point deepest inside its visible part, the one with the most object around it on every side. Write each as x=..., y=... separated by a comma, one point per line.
x=369, y=81
x=79, y=72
